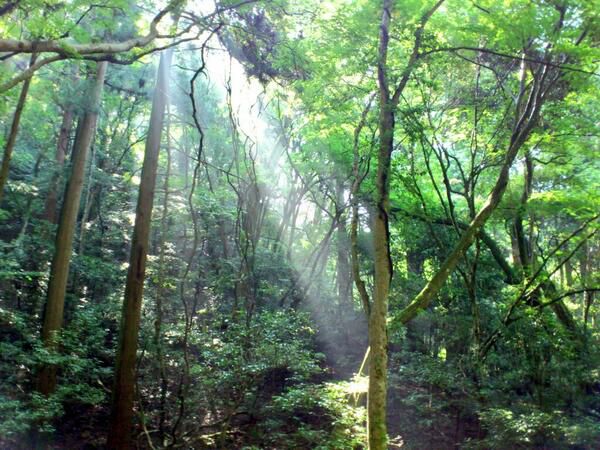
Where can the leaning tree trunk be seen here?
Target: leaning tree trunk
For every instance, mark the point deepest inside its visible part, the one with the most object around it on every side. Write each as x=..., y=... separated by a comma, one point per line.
x=59, y=271
x=124, y=385
x=527, y=113
x=14, y=130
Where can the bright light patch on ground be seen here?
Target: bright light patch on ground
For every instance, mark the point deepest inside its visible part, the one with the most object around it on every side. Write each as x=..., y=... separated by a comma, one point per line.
x=358, y=385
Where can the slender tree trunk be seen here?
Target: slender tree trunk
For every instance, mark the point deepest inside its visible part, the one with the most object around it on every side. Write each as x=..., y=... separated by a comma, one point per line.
x=586, y=270
x=388, y=101
x=59, y=271
x=376, y=403
x=288, y=207
x=87, y=203
x=32, y=263
x=356, y=182
x=292, y=228
x=91, y=191
x=124, y=386
x=27, y=212
x=14, y=131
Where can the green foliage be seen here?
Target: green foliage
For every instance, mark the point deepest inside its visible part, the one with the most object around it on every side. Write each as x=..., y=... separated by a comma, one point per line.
x=314, y=416
x=243, y=323
x=234, y=356
x=80, y=364
x=527, y=427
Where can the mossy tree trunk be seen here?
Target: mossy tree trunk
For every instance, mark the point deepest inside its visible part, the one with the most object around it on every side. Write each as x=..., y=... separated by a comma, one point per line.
x=388, y=103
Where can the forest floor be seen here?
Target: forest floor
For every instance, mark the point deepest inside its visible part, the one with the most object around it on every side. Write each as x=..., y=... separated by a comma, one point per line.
x=409, y=427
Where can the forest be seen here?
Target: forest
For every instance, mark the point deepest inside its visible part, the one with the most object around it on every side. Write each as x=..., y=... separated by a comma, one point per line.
x=299, y=224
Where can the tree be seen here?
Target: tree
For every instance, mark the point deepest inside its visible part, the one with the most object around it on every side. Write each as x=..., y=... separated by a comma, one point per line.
x=530, y=99
x=59, y=271
x=124, y=385
x=388, y=102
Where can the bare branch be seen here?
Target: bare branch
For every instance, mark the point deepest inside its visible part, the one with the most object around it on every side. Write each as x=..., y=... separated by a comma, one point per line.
x=507, y=55
x=29, y=72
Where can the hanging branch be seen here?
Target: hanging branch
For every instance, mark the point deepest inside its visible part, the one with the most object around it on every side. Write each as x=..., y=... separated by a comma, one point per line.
x=108, y=51
x=189, y=314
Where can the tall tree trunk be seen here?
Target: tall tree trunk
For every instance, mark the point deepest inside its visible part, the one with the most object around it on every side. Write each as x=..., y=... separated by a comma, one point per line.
x=59, y=271
x=91, y=191
x=33, y=262
x=292, y=229
x=376, y=403
x=388, y=102
x=382, y=279
x=586, y=270
x=124, y=386
x=14, y=131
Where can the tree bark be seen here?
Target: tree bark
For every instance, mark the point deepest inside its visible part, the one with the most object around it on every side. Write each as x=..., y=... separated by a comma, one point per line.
x=124, y=385
x=59, y=271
